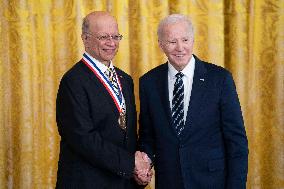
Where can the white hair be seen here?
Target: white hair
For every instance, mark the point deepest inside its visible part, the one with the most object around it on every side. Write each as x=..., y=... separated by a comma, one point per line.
x=174, y=18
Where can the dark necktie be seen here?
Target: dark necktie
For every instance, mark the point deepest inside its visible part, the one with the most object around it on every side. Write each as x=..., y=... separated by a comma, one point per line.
x=178, y=104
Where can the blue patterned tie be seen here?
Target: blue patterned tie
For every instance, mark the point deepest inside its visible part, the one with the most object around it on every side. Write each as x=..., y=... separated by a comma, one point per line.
x=178, y=104
x=110, y=72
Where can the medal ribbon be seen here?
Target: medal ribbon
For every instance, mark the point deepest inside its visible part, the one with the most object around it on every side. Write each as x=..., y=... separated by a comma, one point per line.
x=117, y=98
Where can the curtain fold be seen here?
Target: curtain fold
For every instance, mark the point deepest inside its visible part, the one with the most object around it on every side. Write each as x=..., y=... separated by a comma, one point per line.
x=40, y=41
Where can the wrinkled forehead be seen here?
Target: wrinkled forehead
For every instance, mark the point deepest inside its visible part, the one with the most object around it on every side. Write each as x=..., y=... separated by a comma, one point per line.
x=103, y=23
x=178, y=29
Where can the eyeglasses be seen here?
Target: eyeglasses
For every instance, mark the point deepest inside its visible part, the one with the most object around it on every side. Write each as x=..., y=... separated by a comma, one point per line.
x=117, y=37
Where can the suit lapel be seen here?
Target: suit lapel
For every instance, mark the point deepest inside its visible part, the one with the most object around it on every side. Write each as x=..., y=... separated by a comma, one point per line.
x=197, y=93
x=163, y=90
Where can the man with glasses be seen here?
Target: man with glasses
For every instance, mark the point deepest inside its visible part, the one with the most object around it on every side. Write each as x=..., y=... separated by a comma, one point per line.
x=96, y=116
x=191, y=125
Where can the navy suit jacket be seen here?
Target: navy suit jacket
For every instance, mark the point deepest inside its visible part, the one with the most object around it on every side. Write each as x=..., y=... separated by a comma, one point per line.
x=94, y=151
x=212, y=151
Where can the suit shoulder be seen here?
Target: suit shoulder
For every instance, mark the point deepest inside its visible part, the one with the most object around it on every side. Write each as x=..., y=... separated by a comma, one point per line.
x=76, y=72
x=155, y=72
x=215, y=74
x=213, y=67
x=121, y=73
x=216, y=70
x=73, y=70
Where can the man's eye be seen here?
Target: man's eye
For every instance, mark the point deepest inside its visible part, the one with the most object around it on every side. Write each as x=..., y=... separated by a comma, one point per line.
x=172, y=42
x=103, y=37
x=116, y=37
x=185, y=40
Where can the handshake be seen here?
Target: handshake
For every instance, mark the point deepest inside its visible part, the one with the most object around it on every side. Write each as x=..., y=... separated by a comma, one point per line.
x=143, y=168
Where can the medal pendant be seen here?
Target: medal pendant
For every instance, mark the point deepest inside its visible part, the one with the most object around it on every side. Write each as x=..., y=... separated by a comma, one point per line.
x=122, y=120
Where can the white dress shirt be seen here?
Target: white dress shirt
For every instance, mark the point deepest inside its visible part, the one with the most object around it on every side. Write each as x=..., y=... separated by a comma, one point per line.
x=188, y=72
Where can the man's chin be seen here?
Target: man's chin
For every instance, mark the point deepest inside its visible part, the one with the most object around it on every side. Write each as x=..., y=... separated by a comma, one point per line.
x=180, y=63
x=108, y=58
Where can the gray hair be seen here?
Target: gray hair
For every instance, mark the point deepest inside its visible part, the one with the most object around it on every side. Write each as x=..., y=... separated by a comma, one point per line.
x=174, y=18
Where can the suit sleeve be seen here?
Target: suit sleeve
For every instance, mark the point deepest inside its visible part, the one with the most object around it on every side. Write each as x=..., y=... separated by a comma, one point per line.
x=146, y=134
x=76, y=129
x=234, y=135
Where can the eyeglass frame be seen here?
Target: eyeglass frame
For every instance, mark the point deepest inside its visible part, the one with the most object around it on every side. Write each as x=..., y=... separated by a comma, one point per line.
x=106, y=37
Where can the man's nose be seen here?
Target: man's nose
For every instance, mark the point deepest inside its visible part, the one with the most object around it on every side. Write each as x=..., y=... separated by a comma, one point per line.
x=110, y=41
x=179, y=46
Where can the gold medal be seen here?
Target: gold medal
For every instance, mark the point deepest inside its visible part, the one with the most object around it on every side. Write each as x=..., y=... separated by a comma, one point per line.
x=122, y=120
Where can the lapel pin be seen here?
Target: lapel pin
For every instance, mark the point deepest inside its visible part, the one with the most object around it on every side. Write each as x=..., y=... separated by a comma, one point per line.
x=201, y=79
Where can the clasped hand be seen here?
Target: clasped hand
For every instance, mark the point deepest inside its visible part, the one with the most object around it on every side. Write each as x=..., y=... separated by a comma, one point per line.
x=142, y=172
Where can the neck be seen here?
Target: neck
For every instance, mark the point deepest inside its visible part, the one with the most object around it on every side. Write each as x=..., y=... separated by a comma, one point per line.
x=179, y=68
x=106, y=63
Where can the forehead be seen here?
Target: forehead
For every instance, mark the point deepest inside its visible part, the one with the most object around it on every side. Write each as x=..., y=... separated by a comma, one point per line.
x=103, y=24
x=176, y=30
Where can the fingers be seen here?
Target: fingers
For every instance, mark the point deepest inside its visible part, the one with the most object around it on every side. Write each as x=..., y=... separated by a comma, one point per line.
x=142, y=162
x=142, y=172
x=143, y=179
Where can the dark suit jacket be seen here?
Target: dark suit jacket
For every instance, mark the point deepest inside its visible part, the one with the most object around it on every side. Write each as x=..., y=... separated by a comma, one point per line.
x=94, y=151
x=212, y=152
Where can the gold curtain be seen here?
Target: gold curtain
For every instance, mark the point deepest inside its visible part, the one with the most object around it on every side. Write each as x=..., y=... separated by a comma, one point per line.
x=40, y=40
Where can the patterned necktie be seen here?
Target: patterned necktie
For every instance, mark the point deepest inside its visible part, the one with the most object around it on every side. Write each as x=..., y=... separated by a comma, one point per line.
x=110, y=72
x=178, y=104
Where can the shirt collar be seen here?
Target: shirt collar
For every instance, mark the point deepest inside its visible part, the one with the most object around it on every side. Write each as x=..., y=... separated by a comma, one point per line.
x=100, y=65
x=188, y=70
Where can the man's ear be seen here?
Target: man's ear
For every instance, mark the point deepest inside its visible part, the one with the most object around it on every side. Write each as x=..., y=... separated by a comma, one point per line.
x=160, y=45
x=84, y=38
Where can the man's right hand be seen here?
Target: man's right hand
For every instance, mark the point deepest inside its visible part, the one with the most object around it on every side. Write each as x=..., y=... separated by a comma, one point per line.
x=142, y=172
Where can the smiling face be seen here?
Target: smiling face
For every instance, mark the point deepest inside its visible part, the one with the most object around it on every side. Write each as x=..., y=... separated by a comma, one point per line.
x=102, y=49
x=176, y=41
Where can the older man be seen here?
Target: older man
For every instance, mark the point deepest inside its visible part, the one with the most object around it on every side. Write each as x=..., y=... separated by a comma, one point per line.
x=191, y=124
x=96, y=115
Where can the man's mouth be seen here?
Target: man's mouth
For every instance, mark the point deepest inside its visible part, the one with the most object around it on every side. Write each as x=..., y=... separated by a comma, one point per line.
x=109, y=50
x=179, y=55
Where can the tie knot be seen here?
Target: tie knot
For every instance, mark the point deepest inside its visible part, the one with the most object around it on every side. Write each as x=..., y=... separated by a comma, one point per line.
x=179, y=75
x=110, y=72
x=111, y=69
